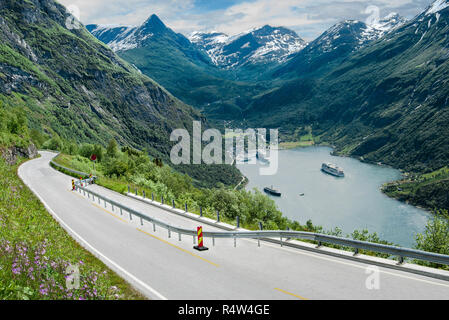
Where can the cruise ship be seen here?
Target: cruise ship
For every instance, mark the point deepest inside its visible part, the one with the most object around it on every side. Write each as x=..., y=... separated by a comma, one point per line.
x=332, y=169
x=272, y=191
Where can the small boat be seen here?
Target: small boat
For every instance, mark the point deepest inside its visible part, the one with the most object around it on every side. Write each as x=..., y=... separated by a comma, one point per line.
x=302, y=194
x=272, y=191
x=332, y=169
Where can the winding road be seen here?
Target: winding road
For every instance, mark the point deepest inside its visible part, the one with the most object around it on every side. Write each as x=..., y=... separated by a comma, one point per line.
x=166, y=268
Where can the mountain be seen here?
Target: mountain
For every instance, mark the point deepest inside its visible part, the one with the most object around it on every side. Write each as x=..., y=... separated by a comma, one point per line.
x=70, y=84
x=263, y=46
x=180, y=66
x=337, y=43
x=73, y=85
x=386, y=102
x=123, y=38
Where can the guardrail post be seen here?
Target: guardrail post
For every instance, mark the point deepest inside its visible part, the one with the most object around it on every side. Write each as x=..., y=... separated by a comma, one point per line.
x=258, y=241
x=169, y=233
x=179, y=236
x=130, y=216
x=260, y=226
x=401, y=260
x=194, y=239
x=213, y=241
x=201, y=211
x=105, y=204
x=143, y=193
x=320, y=244
x=141, y=221
x=186, y=208
x=121, y=211
x=356, y=252
x=162, y=199
x=152, y=196
x=235, y=242
x=238, y=221
x=281, y=242
x=154, y=227
x=173, y=204
x=136, y=191
x=129, y=191
x=112, y=207
x=218, y=216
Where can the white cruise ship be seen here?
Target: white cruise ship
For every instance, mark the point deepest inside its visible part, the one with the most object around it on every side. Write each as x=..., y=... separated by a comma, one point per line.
x=332, y=169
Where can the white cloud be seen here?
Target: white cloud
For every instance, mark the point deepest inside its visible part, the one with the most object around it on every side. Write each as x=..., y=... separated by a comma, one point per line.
x=307, y=17
x=130, y=12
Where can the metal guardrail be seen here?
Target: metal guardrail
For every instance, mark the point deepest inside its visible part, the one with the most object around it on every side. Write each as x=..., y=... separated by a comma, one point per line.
x=320, y=238
x=78, y=173
x=357, y=245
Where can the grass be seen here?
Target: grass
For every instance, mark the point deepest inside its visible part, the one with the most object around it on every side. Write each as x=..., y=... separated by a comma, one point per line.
x=295, y=144
x=35, y=252
x=121, y=186
x=306, y=140
x=427, y=190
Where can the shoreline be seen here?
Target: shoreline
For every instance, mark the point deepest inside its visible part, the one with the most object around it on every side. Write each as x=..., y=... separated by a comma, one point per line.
x=334, y=152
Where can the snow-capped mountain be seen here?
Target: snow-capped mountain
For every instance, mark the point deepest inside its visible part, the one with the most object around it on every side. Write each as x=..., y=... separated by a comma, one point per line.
x=357, y=32
x=338, y=42
x=122, y=38
x=437, y=6
x=262, y=45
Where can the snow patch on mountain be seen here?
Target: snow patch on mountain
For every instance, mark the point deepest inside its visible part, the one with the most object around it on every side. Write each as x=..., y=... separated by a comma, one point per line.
x=437, y=6
x=117, y=37
x=258, y=45
x=361, y=32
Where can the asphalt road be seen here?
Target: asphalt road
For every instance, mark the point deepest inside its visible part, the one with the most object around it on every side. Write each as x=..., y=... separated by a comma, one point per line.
x=166, y=268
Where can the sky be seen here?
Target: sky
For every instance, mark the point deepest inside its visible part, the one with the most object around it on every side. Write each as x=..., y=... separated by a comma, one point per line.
x=309, y=18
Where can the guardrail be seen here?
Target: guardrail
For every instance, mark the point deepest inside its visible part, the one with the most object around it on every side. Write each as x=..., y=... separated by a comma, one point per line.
x=399, y=252
x=75, y=172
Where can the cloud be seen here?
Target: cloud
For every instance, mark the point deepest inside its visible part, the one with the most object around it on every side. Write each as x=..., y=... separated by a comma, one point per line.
x=309, y=18
x=130, y=12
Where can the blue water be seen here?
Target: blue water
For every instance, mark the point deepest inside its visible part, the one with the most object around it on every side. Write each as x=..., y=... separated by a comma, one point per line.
x=351, y=203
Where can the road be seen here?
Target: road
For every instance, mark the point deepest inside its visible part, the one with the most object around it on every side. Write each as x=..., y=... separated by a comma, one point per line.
x=166, y=268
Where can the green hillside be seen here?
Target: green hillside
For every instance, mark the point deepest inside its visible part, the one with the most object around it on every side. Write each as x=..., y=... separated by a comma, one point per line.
x=71, y=86
x=386, y=103
x=69, y=83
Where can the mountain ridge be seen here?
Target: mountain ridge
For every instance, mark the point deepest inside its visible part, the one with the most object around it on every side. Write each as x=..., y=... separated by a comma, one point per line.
x=262, y=45
x=396, y=105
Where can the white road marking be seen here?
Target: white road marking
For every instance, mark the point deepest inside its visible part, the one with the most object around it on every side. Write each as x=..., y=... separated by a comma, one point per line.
x=91, y=248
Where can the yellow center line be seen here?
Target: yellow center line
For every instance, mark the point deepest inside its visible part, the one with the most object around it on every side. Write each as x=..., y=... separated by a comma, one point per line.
x=291, y=294
x=77, y=194
x=115, y=216
x=175, y=246
x=99, y=207
x=179, y=248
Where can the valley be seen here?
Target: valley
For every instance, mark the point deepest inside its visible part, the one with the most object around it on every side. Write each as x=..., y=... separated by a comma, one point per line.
x=374, y=91
x=368, y=96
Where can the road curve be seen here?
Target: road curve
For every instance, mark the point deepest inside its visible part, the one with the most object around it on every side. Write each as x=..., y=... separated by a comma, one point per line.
x=166, y=268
